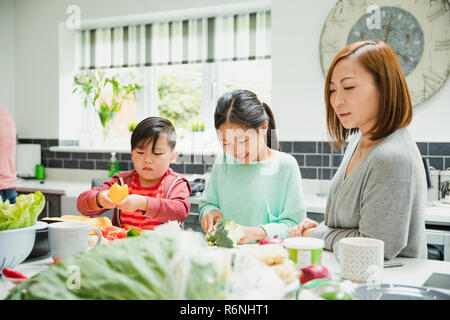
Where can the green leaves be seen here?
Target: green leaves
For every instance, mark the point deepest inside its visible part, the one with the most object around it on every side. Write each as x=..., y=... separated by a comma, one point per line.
x=150, y=266
x=179, y=99
x=105, y=93
x=23, y=213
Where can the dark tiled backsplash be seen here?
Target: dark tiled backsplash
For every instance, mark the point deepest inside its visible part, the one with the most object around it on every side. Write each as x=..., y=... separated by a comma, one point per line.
x=316, y=159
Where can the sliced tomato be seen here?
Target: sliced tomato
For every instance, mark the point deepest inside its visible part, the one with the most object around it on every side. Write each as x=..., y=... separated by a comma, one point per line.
x=121, y=234
x=113, y=233
x=127, y=228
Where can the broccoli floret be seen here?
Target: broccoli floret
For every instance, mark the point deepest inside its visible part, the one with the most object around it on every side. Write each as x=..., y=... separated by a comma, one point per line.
x=228, y=233
x=211, y=239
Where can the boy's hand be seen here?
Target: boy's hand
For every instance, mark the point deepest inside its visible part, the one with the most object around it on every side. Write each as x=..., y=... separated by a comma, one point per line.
x=104, y=201
x=132, y=203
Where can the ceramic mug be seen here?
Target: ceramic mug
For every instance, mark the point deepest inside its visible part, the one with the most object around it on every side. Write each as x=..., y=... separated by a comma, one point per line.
x=361, y=259
x=70, y=237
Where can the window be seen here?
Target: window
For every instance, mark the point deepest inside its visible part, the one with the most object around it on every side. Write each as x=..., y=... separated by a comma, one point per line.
x=250, y=75
x=186, y=64
x=180, y=90
x=187, y=94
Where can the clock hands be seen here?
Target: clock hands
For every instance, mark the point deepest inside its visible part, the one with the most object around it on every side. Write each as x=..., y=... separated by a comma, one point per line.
x=388, y=28
x=404, y=56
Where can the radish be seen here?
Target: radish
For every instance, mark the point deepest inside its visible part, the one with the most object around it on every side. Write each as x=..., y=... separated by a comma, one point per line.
x=313, y=271
x=273, y=240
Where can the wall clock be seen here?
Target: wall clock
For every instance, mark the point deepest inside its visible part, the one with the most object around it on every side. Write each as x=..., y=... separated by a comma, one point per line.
x=417, y=30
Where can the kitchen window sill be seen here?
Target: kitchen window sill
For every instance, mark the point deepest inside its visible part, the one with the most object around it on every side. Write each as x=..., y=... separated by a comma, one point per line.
x=182, y=149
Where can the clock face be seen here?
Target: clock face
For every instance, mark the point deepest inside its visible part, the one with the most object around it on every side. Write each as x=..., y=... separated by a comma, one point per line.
x=401, y=31
x=418, y=31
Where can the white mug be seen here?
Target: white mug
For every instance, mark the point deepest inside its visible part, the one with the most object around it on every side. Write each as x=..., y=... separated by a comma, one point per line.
x=361, y=259
x=70, y=237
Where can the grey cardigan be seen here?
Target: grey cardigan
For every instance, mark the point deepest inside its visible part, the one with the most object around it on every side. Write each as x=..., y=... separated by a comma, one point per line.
x=383, y=197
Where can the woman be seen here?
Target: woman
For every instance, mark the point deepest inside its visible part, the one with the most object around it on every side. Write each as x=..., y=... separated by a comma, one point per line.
x=252, y=183
x=379, y=190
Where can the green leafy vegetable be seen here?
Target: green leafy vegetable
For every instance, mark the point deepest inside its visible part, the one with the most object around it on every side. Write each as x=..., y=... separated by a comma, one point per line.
x=151, y=266
x=133, y=232
x=228, y=233
x=23, y=213
x=211, y=239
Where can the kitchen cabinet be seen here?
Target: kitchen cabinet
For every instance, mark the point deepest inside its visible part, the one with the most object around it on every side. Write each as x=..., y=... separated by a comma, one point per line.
x=57, y=194
x=192, y=221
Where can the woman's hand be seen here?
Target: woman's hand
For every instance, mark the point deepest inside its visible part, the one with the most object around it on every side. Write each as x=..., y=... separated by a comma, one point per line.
x=211, y=220
x=133, y=202
x=252, y=234
x=104, y=201
x=303, y=229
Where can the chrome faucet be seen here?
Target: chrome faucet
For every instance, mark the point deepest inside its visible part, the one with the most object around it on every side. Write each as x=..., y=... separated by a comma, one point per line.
x=444, y=189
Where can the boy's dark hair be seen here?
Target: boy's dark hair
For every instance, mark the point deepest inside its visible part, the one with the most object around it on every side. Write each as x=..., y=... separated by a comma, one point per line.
x=243, y=107
x=149, y=130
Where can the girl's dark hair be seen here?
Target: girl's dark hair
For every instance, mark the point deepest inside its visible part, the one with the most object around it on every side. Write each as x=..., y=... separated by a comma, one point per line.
x=242, y=107
x=149, y=130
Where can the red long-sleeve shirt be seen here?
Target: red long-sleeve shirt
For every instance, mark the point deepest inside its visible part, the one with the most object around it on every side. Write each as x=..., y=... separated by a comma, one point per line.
x=174, y=206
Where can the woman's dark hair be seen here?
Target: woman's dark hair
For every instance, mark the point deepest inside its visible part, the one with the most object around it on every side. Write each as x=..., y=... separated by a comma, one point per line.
x=149, y=130
x=242, y=107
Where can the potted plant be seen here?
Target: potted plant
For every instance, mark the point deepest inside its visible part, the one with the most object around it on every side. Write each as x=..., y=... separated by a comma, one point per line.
x=197, y=125
x=131, y=126
x=106, y=93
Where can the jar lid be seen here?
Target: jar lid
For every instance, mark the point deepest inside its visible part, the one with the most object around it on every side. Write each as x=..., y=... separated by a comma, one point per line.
x=303, y=243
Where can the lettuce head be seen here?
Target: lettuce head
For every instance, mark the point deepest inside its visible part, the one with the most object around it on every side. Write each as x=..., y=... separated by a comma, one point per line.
x=23, y=213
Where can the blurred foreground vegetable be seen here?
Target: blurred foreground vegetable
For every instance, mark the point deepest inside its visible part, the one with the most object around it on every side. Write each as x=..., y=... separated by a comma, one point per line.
x=150, y=266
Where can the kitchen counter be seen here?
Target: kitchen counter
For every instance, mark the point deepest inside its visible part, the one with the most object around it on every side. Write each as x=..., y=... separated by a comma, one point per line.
x=76, y=183
x=67, y=188
x=317, y=204
x=414, y=272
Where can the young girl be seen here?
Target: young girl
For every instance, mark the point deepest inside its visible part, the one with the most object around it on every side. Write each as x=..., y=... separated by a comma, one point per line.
x=252, y=182
x=156, y=193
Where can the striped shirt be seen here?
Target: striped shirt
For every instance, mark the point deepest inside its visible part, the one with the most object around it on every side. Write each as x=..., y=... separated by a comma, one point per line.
x=137, y=218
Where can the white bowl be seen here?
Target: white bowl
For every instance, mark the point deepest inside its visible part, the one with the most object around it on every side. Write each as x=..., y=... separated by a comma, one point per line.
x=16, y=244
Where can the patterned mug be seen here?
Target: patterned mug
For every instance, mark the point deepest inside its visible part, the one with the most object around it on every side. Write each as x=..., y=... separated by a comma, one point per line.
x=361, y=259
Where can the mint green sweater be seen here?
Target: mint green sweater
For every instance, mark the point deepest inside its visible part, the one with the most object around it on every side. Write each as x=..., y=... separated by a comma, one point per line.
x=265, y=193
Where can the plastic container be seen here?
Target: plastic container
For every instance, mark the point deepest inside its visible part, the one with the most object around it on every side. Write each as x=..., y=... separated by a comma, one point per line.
x=16, y=244
x=113, y=165
x=304, y=251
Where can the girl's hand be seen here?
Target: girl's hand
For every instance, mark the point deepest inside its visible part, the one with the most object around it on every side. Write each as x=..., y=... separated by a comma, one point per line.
x=132, y=203
x=252, y=234
x=104, y=201
x=211, y=220
x=298, y=230
x=307, y=232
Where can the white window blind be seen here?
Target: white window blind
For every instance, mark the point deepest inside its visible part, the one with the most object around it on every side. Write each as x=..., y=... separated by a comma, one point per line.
x=222, y=38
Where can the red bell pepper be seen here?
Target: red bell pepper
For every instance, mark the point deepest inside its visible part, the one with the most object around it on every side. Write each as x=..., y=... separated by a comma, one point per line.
x=10, y=273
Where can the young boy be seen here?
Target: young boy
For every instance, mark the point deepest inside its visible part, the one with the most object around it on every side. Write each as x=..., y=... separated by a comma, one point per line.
x=156, y=193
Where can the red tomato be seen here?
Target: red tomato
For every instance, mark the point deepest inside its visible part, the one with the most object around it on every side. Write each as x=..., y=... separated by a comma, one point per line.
x=127, y=228
x=55, y=261
x=113, y=233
